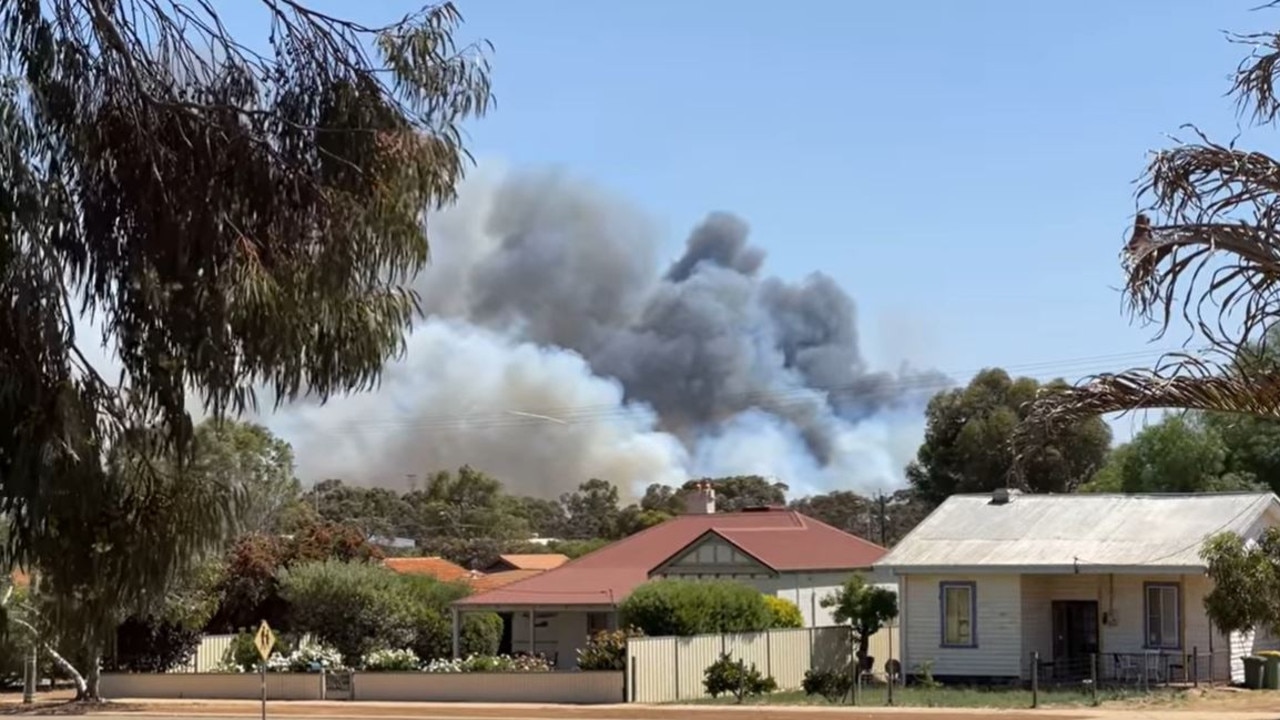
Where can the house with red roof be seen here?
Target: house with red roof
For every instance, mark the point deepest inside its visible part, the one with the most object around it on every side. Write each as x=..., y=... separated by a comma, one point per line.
x=779, y=551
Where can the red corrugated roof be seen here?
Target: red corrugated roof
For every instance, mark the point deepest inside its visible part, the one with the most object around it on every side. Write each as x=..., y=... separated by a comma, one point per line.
x=785, y=541
x=436, y=567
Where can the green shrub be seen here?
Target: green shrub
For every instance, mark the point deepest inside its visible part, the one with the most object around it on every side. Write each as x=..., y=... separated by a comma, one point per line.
x=830, y=684
x=727, y=676
x=688, y=607
x=480, y=634
x=783, y=613
x=606, y=650
x=354, y=607
x=152, y=645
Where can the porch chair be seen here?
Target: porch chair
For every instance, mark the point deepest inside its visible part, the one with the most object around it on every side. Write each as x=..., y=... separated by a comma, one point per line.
x=1126, y=668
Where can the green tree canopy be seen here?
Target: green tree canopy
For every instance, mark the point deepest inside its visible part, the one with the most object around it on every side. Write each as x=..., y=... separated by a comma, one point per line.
x=968, y=433
x=865, y=607
x=591, y=511
x=736, y=492
x=1181, y=453
x=249, y=456
x=1246, y=582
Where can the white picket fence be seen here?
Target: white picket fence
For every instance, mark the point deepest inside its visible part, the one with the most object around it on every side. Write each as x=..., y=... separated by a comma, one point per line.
x=670, y=669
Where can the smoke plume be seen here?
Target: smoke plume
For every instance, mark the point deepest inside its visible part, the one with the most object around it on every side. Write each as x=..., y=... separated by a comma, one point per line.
x=556, y=347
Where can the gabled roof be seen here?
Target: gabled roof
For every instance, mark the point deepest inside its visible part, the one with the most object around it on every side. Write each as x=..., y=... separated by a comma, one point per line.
x=783, y=540
x=529, y=561
x=1076, y=533
x=436, y=567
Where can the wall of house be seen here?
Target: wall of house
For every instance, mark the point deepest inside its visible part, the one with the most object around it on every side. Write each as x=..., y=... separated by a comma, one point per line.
x=1120, y=612
x=997, y=627
x=807, y=590
x=557, y=635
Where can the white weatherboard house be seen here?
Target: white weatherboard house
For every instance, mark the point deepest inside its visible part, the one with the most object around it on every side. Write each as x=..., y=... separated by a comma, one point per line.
x=987, y=580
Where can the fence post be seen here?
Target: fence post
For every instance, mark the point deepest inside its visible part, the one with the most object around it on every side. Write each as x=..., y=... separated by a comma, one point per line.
x=631, y=661
x=1035, y=679
x=675, y=663
x=1093, y=676
x=857, y=682
x=768, y=653
x=1195, y=666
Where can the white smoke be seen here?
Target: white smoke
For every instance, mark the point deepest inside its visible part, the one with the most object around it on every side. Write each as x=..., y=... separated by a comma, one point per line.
x=467, y=395
x=553, y=334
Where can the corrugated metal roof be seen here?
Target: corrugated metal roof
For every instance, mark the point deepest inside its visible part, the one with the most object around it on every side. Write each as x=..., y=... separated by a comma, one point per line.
x=436, y=567
x=529, y=561
x=1074, y=531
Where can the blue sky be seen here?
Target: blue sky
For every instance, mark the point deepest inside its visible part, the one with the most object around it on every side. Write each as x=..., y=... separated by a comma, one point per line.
x=963, y=169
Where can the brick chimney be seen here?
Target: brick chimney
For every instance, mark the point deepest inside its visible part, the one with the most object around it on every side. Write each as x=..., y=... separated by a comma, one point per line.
x=701, y=500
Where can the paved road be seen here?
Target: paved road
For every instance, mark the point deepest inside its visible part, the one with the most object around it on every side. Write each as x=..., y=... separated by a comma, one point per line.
x=209, y=710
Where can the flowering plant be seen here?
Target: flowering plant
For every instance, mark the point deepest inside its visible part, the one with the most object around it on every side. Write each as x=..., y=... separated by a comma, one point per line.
x=391, y=661
x=491, y=663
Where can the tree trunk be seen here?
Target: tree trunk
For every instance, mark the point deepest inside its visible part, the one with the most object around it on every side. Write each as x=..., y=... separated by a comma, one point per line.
x=82, y=688
x=93, y=681
x=861, y=641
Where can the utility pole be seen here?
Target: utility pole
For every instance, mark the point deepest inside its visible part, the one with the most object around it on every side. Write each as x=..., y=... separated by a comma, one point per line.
x=884, y=529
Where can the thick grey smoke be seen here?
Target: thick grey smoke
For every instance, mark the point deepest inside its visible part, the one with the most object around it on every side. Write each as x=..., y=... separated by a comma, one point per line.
x=546, y=297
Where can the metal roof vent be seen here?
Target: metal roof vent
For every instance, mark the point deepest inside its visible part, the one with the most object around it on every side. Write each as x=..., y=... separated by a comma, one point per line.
x=1001, y=496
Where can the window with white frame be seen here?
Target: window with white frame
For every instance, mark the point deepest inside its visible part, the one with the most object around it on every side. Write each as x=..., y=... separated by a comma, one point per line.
x=1164, y=615
x=959, y=610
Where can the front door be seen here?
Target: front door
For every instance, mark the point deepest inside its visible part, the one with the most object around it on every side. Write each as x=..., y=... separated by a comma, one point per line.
x=1075, y=637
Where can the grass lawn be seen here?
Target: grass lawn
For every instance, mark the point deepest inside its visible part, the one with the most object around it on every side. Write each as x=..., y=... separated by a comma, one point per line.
x=962, y=697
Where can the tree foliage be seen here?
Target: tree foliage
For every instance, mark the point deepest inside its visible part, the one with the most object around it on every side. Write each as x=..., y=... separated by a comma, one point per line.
x=693, y=607
x=967, y=448
x=355, y=608
x=1203, y=249
x=296, y=179
x=1246, y=582
x=866, y=608
x=249, y=589
x=117, y=546
x=251, y=457
x=1181, y=453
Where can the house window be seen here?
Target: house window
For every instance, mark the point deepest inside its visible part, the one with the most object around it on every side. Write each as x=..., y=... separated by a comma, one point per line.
x=597, y=622
x=1164, y=615
x=959, y=611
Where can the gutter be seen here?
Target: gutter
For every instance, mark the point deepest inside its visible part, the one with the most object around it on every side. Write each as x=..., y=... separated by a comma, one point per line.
x=1057, y=569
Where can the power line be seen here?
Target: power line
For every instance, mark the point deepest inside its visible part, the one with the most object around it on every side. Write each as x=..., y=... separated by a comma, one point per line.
x=775, y=400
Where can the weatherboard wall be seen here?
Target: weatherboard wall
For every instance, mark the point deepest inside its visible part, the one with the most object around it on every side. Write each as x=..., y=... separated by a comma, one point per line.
x=997, y=627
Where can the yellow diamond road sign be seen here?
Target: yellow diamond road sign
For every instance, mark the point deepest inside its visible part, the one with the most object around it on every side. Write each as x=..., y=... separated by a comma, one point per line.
x=264, y=640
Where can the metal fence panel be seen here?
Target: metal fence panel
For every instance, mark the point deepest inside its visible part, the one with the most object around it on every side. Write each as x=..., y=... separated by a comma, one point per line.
x=671, y=669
